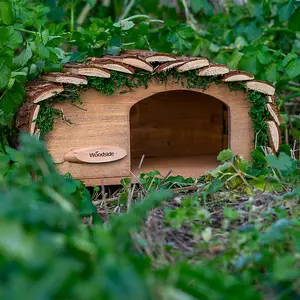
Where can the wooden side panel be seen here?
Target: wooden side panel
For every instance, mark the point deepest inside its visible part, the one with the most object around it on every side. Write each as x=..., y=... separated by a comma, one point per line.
x=176, y=123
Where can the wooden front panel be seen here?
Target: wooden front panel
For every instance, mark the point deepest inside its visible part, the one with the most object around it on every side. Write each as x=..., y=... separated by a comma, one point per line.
x=105, y=122
x=99, y=123
x=176, y=123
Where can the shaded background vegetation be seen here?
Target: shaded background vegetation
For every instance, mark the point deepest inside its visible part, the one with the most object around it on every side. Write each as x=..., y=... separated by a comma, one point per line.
x=233, y=233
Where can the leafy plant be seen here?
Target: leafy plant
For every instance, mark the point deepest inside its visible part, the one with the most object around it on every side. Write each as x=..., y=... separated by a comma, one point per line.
x=49, y=247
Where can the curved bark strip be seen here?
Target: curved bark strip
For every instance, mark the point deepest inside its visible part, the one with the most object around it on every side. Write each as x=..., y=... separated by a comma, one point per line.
x=213, y=70
x=237, y=76
x=38, y=91
x=168, y=66
x=192, y=63
x=65, y=78
x=273, y=110
x=261, y=86
x=27, y=113
x=86, y=70
x=129, y=60
x=152, y=57
x=274, y=135
x=112, y=65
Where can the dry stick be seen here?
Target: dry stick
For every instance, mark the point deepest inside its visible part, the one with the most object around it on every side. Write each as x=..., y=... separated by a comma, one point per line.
x=178, y=241
x=103, y=199
x=131, y=194
x=293, y=149
x=127, y=10
x=84, y=13
x=241, y=176
x=266, y=154
x=109, y=200
x=163, y=180
x=290, y=121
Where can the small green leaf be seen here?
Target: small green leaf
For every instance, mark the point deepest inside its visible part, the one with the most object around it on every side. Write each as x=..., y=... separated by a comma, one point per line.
x=126, y=25
x=271, y=72
x=5, y=74
x=15, y=38
x=23, y=58
x=7, y=13
x=214, y=186
x=144, y=28
x=15, y=242
x=249, y=63
x=267, y=184
x=288, y=58
x=87, y=208
x=235, y=59
x=285, y=268
x=43, y=51
x=293, y=68
x=225, y=155
x=197, y=5
x=14, y=154
x=253, y=32
x=113, y=50
x=4, y=162
x=283, y=163
x=294, y=23
x=4, y=36
x=172, y=37
x=45, y=36
x=264, y=57
x=230, y=213
x=285, y=11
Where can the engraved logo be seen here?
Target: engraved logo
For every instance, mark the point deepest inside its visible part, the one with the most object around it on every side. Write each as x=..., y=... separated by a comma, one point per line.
x=101, y=154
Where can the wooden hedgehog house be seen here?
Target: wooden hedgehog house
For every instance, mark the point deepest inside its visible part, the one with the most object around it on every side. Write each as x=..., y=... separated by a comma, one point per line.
x=177, y=113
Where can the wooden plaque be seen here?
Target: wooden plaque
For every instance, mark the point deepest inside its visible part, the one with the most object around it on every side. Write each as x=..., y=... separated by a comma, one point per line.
x=94, y=155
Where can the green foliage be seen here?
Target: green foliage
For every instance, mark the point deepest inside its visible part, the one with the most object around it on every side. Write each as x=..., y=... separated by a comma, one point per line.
x=46, y=117
x=259, y=114
x=225, y=155
x=240, y=226
x=256, y=237
x=49, y=248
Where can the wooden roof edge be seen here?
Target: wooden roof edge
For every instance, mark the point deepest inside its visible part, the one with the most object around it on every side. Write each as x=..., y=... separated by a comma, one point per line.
x=129, y=61
x=38, y=90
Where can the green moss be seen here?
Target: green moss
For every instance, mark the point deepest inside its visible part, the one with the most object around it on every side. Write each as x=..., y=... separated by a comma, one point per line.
x=108, y=86
x=46, y=117
x=259, y=114
x=236, y=86
x=71, y=92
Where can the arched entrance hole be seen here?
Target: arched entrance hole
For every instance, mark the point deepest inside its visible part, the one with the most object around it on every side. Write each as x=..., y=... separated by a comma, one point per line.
x=182, y=131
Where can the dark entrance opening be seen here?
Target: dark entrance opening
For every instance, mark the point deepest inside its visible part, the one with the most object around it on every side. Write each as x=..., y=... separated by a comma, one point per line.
x=182, y=131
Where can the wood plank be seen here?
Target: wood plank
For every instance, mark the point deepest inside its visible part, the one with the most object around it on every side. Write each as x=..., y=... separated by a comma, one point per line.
x=175, y=124
x=105, y=121
x=186, y=166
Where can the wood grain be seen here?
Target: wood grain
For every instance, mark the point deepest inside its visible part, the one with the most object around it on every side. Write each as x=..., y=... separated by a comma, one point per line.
x=94, y=155
x=184, y=122
x=176, y=123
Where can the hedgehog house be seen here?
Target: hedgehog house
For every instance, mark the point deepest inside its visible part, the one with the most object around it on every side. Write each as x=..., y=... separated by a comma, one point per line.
x=115, y=116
